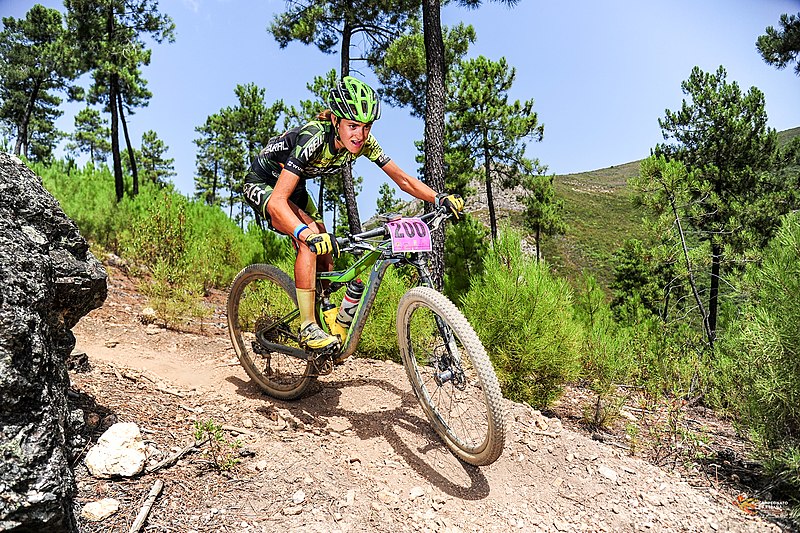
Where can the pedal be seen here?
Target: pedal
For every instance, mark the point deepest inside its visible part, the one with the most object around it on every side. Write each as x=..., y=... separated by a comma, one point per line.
x=324, y=367
x=323, y=358
x=323, y=353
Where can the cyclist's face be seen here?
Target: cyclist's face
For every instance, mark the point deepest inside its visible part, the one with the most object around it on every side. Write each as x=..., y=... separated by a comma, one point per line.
x=353, y=134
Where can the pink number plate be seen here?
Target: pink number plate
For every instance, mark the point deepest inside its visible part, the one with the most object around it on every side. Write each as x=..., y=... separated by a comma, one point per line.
x=410, y=235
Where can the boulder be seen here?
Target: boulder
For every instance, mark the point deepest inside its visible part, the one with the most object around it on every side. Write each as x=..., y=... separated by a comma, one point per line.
x=120, y=451
x=48, y=281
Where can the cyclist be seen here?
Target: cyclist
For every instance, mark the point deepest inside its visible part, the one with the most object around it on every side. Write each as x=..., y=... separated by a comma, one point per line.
x=275, y=186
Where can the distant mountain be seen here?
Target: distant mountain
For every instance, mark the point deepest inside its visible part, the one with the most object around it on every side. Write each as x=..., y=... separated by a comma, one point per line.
x=787, y=135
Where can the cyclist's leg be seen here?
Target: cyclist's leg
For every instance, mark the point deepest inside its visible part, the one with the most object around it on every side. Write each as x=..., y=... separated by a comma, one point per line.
x=257, y=196
x=306, y=203
x=306, y=265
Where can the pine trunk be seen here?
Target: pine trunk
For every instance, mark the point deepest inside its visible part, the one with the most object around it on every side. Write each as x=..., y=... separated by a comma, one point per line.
x=716, y=259
x=119, y=184
x=353, y=218
x=21, y=146
x=131, y=154
x=434, y=120
x=487, y=163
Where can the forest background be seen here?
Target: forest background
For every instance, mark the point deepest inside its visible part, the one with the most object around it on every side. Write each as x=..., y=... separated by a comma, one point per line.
x=683, y=283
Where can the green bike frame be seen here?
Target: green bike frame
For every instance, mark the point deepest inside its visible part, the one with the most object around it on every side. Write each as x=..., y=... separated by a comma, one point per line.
x=376, y=261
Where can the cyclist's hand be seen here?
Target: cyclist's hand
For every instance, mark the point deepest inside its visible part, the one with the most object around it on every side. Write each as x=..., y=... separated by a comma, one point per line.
x=453, y=202
x=323, y=243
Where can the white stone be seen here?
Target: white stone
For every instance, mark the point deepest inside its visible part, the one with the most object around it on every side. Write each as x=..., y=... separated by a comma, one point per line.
x=148, y=315
x=120, y=451
x=299, y=497
x=99, y=510
x=416, y=492
x=607, y=473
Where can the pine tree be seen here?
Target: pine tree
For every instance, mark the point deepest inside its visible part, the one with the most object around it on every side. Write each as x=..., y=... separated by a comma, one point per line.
x=543, y=211
x=387, y=201
x=721, y=136
x=488, y=126
x=155, y=167
x=109, y=36
x=36, y=59
x=782, y=47
x=91, y=135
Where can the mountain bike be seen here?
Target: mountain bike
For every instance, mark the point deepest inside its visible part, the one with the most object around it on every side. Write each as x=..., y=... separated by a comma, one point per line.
x=445, y=361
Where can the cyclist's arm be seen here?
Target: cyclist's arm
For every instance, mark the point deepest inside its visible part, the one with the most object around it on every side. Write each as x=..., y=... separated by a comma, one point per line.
x=409, y=184
x=283, y=218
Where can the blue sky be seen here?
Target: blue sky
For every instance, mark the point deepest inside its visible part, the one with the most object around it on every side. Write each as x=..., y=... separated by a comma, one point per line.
x=601, y=73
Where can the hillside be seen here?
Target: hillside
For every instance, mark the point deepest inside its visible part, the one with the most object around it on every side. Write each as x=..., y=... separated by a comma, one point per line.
x=599, y=209
x=787, y=135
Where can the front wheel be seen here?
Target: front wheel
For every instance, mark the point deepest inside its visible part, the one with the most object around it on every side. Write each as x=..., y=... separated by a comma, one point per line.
x=262, y=311
x=451, y=375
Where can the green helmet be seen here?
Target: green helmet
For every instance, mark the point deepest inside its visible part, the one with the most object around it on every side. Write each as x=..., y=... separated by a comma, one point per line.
x=355, y=100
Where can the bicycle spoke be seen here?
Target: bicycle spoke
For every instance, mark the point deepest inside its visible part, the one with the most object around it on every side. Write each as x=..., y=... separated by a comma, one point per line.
x=440, y=351
x=262, y=313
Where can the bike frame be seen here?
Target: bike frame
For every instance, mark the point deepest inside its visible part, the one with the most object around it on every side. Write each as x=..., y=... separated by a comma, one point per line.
x=377, y=260
x=377, y=257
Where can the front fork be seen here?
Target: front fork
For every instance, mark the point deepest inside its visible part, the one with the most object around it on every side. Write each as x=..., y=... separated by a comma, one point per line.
x=448, y=365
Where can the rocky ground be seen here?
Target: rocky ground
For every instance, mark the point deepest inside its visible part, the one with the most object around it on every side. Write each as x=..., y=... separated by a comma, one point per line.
x=357, y=454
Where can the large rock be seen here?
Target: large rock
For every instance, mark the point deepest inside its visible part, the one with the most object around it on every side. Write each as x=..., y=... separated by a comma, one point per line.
x=48, y=280
x=120, y=451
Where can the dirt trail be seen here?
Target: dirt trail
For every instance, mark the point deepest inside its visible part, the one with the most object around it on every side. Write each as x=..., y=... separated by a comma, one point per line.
x=356, y=454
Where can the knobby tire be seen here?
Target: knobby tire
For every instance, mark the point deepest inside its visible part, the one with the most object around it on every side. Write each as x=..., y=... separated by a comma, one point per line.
x=468, y=414
x=260, y=298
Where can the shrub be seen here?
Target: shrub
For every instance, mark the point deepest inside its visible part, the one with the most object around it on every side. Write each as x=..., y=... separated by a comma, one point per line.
x=606, y=355
x=523, y=316
x=761, y=360
x=465, y=248
x=379, y=339
x=186, y=246
x=767, y=347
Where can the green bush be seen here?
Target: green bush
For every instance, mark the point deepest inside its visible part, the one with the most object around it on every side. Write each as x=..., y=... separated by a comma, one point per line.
x=760, y=361
x=767, y=346
x=186, y=246
x=607, y=357
x=524, y=317
x=87, y=197
x=466, y=244
x=379, y=339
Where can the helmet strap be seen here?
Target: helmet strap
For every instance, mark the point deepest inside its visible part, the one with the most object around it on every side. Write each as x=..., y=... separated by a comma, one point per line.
x=336, y=122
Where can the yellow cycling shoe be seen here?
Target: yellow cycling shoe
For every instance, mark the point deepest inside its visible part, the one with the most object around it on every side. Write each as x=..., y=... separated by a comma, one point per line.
x=312, y=337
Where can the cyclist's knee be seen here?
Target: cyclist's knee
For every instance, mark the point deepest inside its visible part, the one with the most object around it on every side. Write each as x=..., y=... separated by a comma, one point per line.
x=317, y=227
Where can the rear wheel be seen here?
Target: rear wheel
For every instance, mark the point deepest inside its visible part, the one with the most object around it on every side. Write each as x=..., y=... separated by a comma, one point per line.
x=262, y=310
x=451, y=375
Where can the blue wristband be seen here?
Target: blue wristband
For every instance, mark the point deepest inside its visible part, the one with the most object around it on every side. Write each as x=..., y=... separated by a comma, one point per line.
x=298, y=230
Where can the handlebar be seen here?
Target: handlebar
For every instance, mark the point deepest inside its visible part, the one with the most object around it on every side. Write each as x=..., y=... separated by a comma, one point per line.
x=348, y=243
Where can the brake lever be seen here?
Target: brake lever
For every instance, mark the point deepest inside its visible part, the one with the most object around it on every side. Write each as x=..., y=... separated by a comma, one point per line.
x=437, y=221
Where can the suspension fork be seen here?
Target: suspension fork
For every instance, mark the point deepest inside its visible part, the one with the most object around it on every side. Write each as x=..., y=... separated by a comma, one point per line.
x=449, y=367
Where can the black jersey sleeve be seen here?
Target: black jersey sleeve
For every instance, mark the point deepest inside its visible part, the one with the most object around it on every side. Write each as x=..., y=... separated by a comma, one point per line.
x=310, y=142
x=374, y=152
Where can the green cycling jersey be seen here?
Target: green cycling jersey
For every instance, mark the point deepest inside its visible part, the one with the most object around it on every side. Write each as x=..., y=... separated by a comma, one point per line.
x=308, y=151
